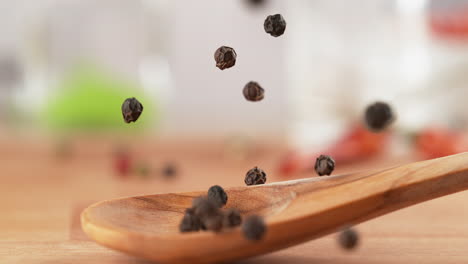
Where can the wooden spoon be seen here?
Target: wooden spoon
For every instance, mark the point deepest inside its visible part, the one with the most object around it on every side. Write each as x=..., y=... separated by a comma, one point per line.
x=295, y=211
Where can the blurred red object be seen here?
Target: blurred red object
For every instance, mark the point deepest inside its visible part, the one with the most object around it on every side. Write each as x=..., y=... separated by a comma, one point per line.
x=122, y=162
x=357, y=144
x=122, y=165
x=449, y=19
x=437, y=142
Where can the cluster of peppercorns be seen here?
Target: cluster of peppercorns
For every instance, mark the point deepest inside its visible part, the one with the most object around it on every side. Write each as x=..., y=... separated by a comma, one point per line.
x=209, y=216
x=226, y=57
x=206, y=214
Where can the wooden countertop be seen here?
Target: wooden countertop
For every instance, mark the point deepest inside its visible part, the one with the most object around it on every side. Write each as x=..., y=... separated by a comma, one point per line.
x=42, y=196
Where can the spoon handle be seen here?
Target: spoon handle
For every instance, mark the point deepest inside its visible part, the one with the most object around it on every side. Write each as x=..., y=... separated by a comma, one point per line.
x=323, y=206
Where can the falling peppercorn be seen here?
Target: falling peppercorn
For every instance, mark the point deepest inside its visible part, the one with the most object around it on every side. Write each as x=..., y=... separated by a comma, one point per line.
x=275, y=25
x=232, y=218
x=348, y=239
x=217, y=194
x=225, y=57
x=256, y=3
x=253, y=92
x=324, y=165
x=378, y=116
x=190, y=222
x=254, y=227
x=255, y=176
x=131, y=109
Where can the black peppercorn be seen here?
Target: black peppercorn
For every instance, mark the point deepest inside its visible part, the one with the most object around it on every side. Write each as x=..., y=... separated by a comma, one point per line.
x=225, y=57
x=256, y=3
x=131, y=109
x=275, y=25
x=255, y=176
x=253, y=92
x=324, y=165
x=217, y=194
x=232, y=218
x=378, y=116
x=348, y=239
x=208, y=212
x=169, y=170
x=254, y=227
x=190, y=222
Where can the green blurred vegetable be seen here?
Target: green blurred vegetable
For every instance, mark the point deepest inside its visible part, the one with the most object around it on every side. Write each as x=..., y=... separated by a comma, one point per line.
x=91, y=100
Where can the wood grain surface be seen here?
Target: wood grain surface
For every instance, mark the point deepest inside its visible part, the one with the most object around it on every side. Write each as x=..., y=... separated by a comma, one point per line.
x=42, y=196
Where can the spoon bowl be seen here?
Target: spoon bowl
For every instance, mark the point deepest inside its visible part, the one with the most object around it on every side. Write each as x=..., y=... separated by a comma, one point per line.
x=294, y=211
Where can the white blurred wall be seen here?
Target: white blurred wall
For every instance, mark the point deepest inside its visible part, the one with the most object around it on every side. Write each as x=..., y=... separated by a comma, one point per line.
x=334, y=58
x=168, y=47
x=209, y=101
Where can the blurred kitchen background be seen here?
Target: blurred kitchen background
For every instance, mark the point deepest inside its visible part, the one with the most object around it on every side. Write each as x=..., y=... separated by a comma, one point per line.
x=66, y=67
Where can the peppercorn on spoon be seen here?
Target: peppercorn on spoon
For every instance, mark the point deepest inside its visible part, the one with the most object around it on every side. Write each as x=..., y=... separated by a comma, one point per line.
x=294, y=211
